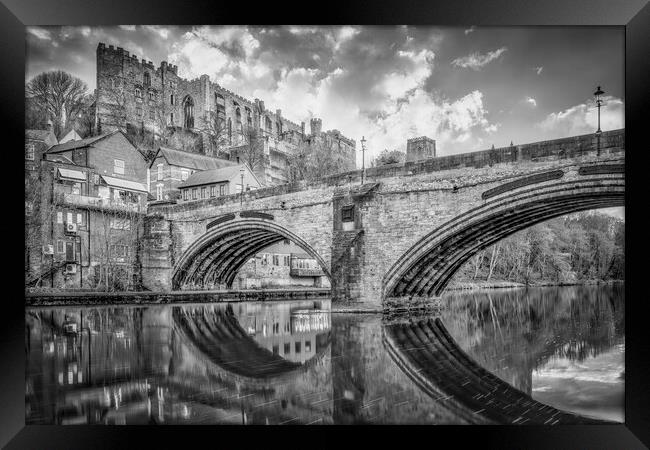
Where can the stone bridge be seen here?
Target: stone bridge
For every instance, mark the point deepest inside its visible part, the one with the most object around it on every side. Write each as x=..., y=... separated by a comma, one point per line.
x=403, y=233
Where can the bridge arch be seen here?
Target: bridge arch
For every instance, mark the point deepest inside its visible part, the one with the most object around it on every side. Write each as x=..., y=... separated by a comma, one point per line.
x=217, y=256
x=426, y=268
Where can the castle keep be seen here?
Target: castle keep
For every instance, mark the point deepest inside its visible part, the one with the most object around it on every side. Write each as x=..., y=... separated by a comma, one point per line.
x=135, y=93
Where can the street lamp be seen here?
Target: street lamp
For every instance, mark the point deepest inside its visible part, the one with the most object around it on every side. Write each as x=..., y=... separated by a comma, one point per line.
x=241, y=197
x=363, y=158
x=599, y=102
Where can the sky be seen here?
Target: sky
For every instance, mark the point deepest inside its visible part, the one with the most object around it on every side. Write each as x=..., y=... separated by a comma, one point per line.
x=466, y=87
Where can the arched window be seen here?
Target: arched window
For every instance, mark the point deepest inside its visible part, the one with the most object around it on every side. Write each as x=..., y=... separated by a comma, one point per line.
x=171, y=99
x=267, y=124
x=249, y=117
x=238, y=119
x=278, y=128
x=188, y=112
x=229, y=130
x=147, y=79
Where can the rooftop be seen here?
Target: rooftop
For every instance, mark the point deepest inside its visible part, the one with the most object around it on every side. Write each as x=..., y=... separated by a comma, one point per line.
x=71, y=145
x=194, y=161
x=212, y=176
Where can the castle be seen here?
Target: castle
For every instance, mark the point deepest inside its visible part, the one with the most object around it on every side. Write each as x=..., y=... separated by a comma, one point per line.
x=134, y=93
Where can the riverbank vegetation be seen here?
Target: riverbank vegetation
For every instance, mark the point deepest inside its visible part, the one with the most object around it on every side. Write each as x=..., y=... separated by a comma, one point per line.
x=577, y=248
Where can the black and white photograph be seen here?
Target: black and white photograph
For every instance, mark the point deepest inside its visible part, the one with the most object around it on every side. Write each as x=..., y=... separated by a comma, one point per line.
x=324, y=225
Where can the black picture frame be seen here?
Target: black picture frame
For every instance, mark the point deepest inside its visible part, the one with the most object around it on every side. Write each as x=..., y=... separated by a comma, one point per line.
x=634, y=15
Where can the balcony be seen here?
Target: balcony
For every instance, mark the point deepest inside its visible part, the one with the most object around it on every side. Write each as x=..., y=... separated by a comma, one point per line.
x=101, y=203
x=297, y=272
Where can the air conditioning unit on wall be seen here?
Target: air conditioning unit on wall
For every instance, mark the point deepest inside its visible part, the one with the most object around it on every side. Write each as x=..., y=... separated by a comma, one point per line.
x=71, y=228
x=48, y=249
x=70, y=268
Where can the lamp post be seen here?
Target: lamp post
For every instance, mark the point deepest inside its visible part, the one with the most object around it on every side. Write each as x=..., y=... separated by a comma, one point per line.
x=363, y=158
x=241, y=197
x=599, y=102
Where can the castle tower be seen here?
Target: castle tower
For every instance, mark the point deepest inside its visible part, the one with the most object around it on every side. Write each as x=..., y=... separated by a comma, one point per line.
x=316, y=126
x=420, y=148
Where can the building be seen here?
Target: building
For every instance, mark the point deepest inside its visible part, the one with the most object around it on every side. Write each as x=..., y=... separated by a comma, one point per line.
x=170, y=167
x=420, y=148
x=135, y=93
x=37, y=142
x=72, y=135
x=217, y=183
x=89, y=204
x=281, y=265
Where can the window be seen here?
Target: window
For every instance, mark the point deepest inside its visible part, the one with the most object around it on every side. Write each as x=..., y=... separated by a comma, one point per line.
x=307, y=346
x=195, y=193
x=204, y=192
x=286, y=260
x=59, y=217
x=29, y=152
x=60, y=248
x=287, y=348
x=297, y=347
x=138, y=93
x=276, y=349
x=68, y=217
x=213, y=191
x=152, y=96
x=171, y=99
x=138, y=111
x=347, y=213
x=186, y=194
x=184, y=174
x=159, y=192
x=118, y=166
x=171, y=119
x=76, y=188
x=146, y=79
x=80, y=220
x=160, y=172
x=222, y=189
x=276, y=260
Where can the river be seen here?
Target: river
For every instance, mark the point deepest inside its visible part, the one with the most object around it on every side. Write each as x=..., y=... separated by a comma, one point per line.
x=557, y=350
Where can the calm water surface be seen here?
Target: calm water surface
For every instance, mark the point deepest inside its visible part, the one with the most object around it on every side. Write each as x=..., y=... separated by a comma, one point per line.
x=295, y=363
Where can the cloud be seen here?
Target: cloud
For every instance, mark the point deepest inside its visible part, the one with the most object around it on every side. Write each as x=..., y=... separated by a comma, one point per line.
x=531, y=101
x=476, y=61
x=583, y=118
x=470, y=30
x=127, y=27
x=538, y=69
x=40, y=33
x=158, y=30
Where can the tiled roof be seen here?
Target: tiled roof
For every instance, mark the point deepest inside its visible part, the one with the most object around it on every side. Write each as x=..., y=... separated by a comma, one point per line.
x=193, y=160
x=71, y=145
x=37, y=135
x=211, y=176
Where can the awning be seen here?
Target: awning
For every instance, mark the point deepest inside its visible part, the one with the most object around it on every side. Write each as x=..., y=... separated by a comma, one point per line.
x=125, y=184
x=70, y=174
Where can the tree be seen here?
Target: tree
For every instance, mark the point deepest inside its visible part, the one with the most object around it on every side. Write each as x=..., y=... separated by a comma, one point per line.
x=217, y=132
x=59, y=95
x=252, y=153
x=317, y=158
x=389, y=157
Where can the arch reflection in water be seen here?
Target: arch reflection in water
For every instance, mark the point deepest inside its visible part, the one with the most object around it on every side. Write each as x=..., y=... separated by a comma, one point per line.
x=275, y=362
x=212, y=363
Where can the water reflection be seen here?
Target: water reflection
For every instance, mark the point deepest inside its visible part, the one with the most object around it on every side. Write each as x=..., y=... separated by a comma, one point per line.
x=291, y=362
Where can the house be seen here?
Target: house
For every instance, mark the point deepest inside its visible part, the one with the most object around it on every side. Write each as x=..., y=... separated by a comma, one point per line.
x=218, y=182
x=170, y=167
x=37, y=142
x=72, y=135
x=89, y=210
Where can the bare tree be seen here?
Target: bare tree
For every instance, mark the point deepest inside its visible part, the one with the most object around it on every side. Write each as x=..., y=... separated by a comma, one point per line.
x=318, y=158
x=217, y=132
x=252, y=153
x=58, y=93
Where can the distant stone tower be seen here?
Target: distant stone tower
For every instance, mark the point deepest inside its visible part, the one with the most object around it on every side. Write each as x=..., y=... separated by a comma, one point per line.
x=420, y=148
x=316, y=126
